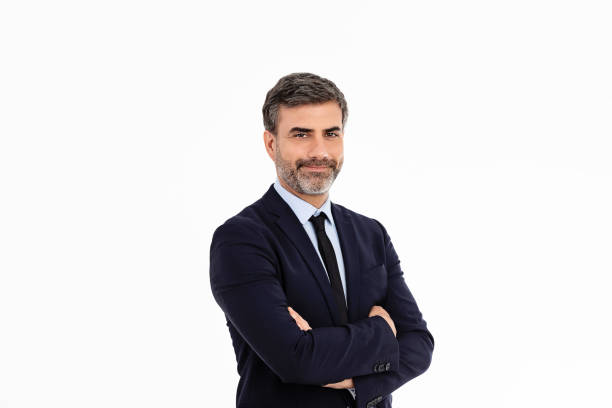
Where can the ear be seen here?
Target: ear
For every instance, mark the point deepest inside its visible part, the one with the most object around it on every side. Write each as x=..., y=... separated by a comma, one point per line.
x=270, y=143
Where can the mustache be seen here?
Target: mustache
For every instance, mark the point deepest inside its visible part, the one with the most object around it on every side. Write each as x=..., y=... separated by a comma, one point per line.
x=326, y=163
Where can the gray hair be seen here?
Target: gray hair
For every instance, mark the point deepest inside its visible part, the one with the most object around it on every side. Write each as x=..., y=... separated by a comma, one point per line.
x=298, y=89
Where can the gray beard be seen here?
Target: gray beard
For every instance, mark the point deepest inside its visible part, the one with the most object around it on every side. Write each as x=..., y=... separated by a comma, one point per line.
x=311, y=183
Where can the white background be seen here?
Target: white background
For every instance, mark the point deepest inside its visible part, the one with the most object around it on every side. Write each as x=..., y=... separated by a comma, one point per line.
x=479, y=135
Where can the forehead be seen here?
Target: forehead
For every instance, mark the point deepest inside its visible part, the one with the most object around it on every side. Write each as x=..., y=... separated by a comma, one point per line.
x=312, y=115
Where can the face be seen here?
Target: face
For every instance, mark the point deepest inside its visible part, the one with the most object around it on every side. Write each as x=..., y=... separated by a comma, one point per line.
x=308, y=146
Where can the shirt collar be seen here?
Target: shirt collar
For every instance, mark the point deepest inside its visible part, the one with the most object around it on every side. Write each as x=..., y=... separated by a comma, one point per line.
x=303, y=209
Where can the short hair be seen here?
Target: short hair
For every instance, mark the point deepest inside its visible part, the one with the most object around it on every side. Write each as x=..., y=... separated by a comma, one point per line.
x=300, y=88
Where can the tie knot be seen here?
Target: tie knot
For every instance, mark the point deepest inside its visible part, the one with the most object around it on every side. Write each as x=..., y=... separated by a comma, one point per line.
x=318, y=221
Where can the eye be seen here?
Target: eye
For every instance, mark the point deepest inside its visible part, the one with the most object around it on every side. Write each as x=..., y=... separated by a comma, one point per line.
x=298, y=134
x=332, y=134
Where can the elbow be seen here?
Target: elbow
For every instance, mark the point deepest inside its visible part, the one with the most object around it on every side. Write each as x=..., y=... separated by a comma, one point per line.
x=418, y=356
x=427, y=353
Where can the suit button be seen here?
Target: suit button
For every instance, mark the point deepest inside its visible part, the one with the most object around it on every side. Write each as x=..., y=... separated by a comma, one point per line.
x=387, y=366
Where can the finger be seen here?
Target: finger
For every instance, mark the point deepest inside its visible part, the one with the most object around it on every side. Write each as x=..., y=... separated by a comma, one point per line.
x=299, y=318
x=338, y=385
x=302, y=324
x=294, y=314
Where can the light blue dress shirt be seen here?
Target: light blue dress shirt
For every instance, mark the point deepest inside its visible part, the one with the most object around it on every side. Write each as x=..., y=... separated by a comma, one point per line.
x=304, y=210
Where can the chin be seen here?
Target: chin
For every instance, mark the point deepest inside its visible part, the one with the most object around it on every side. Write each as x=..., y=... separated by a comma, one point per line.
x=317, y=191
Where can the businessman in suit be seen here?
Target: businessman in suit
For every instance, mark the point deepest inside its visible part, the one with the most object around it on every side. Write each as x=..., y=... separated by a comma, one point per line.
x=313, y=293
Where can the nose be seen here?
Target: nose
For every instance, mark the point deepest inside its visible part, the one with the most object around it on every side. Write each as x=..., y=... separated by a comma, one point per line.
x=317, y=148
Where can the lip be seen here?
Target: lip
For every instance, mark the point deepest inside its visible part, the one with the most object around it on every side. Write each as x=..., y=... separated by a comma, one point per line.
x=316, y=168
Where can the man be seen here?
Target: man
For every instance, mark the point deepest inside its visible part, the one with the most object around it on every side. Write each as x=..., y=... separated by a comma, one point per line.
x=315, y=301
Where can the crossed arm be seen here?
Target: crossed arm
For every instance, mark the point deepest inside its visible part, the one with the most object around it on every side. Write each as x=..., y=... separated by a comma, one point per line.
x=375, y=311
x=243, y=268
x=245, y=283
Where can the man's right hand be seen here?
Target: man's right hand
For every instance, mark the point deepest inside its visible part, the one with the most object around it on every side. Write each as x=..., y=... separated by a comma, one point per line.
x=379, y=311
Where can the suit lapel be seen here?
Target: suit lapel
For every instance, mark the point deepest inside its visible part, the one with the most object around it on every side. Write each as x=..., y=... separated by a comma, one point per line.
x=351, y=257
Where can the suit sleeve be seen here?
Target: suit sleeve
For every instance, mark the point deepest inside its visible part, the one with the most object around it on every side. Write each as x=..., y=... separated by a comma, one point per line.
x=416, y=343
x=245, y=283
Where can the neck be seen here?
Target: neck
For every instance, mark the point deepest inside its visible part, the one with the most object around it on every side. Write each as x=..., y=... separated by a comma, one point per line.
x=316, y=200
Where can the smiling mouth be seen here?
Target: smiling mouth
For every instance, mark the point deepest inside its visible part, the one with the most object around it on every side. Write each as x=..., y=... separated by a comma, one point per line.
x=316, y=168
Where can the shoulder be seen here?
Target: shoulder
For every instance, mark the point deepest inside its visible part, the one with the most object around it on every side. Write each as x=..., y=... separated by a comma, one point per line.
x=239, y=228
x=253, y=224
x=361, y=222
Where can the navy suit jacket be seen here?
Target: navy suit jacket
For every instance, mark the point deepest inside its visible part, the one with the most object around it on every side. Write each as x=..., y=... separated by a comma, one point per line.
x=262, y=261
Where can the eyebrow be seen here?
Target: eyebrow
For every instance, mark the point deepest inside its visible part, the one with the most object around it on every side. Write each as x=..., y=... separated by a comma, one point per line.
x=306, y=130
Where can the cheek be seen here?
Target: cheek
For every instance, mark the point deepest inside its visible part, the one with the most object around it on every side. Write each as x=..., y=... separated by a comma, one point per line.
x=289, y=159
x=295, y=154
x=338, y=150
x=339, y=158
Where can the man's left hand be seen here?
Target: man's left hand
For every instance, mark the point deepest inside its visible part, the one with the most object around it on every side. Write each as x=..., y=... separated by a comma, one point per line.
x=348, y=383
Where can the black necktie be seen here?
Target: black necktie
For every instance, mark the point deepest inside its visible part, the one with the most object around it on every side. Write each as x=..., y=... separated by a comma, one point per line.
x=329, y=258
